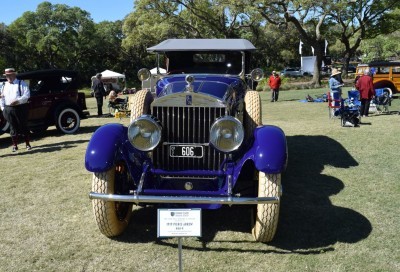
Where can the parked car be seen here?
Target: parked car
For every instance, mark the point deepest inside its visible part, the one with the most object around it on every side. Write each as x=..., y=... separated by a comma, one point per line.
x=54, y=100
x=293, y=72
x=386, y=75
x=351, y=68
x=197, y=142
x=326, y=70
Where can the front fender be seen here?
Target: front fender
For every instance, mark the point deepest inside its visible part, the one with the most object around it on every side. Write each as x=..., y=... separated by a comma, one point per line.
x=269, y=150
x=103, y=146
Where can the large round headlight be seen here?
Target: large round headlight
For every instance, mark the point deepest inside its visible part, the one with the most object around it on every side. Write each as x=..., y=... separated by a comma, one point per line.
x=144, y=74
x=226, y=134
x=144, y=133
x=257, y=74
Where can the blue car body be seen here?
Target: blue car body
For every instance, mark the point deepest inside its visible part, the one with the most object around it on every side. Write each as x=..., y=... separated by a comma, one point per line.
x=110, y=144
x=211, y=148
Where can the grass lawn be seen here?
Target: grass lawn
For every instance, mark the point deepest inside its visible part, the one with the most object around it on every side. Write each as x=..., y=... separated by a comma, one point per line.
x=339, y=212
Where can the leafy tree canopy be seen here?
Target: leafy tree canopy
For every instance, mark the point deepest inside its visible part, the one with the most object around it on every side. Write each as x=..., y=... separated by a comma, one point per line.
x=66, y=37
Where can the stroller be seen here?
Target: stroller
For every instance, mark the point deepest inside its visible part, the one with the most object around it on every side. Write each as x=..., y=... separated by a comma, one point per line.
x=382, y=101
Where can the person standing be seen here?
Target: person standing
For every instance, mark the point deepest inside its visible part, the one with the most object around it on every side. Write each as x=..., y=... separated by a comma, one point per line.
x=274, y=83
x=14, y=98
x=336, y=82
x=99, y=93
x=365, y=86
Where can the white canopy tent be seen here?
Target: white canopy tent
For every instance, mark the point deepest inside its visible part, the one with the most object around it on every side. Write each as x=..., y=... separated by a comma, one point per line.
x=107, y=74
x=111, y=77
x=162, y=71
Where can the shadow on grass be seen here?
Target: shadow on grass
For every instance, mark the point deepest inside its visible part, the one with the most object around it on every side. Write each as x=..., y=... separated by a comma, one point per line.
x=5, y=142
x=309, y=223
x=308, y=219
x=47, y=148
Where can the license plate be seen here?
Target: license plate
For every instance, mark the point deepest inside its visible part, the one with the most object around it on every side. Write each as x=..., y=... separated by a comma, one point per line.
x=186, y=151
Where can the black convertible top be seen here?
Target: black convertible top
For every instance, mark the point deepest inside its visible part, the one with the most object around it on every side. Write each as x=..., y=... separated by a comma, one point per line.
x=40, y=74
x=171, y=45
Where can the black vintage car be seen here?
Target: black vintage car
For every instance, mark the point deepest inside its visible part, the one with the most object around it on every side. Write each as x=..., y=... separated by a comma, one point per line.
x=54, y=100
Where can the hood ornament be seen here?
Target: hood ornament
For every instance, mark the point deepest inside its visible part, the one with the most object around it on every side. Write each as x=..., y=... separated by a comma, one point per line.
x=189, y=80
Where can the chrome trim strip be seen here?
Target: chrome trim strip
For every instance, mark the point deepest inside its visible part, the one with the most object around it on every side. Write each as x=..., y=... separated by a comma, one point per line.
x=187, y=177
x=185, y=199
x=198, y=100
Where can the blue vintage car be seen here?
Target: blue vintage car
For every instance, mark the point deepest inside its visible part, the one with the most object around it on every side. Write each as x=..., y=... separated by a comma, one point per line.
x=197, y=141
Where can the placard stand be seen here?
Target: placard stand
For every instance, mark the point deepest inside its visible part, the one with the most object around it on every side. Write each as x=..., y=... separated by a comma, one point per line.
x=180, y=253
x=179, y=223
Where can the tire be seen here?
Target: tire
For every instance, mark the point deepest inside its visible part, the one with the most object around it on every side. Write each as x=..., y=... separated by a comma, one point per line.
x=140, y=104
x=111, y=217
x=67, y=120
x=253, y=115
x=265, y=216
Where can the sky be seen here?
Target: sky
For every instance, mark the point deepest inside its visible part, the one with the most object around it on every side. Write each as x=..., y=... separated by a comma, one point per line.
x=100, y=10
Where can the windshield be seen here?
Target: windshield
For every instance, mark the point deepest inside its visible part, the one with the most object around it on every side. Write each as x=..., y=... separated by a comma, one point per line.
x=205, y=62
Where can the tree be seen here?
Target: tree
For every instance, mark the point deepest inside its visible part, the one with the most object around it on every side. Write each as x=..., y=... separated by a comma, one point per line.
x=363, y=19
x=6, y=44
x=108, y=50
x=308, y=17
x=154, y=21
x=55, y=36
x=145, y=27
x=383, y=47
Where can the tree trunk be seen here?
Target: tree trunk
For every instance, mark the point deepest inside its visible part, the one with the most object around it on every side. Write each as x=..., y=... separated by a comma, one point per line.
x=319, y=53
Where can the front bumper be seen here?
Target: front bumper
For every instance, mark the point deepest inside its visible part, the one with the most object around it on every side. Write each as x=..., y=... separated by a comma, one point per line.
x=185, y=199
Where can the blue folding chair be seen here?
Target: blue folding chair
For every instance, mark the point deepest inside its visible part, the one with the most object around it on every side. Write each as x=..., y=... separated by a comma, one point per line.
x=354, y=97
x=383, y=99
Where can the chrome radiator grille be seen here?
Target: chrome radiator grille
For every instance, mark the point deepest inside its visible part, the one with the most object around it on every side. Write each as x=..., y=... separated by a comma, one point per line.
x=187, y=125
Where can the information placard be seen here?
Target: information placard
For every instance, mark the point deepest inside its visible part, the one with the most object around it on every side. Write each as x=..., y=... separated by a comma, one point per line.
x=178, y=223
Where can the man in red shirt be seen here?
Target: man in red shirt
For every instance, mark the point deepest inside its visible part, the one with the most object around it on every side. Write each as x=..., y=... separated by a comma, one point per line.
x=366, y=88
x=274, y=83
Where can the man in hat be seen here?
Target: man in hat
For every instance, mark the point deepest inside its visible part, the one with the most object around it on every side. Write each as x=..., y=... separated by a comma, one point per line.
x=274, y=83
x=14, y=98
x=99, y=93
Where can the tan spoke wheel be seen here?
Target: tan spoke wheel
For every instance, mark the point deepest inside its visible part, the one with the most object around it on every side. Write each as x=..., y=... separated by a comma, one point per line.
x=112, y=217
x=140, y=104
x=253, y=114
x=265, y=216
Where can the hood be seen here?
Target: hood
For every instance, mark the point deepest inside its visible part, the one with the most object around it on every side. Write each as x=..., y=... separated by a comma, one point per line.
x=214, y=85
